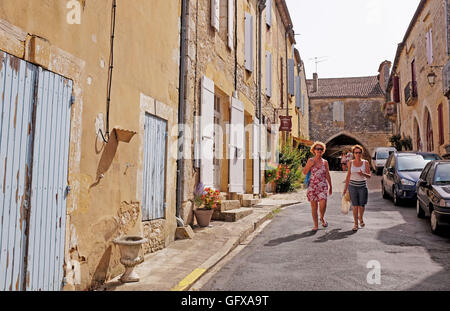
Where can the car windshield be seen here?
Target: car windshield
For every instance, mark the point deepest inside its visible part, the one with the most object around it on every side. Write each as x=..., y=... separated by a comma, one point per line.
x=431, y=157
x=442, y=174
x=382, y=155
x=411, y=163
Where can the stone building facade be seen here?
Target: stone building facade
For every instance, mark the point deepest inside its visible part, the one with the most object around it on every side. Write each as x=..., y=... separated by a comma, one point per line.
x=346, y=111
x=223, y=51
x=104, y=191
x=419, y=109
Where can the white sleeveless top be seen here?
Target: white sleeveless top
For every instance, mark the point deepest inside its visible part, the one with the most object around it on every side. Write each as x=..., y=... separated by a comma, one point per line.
x=355, y=178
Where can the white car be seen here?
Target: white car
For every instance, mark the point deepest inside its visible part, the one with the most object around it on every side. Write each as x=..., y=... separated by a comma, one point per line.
x=379, y=157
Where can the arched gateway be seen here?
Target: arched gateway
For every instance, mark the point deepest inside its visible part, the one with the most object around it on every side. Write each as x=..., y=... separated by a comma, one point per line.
x=340, y=143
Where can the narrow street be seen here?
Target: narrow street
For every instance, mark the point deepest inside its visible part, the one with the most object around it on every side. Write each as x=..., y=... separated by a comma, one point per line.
x=286, y=255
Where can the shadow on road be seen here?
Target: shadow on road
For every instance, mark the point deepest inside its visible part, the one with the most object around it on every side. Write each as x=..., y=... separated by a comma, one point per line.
x=291, y=238
x=417, y=233
x=334, y=235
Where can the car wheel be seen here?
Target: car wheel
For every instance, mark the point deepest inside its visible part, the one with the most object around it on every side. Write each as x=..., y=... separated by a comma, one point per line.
x=383, y=192
x=395, y=197
x=420, y=212
x=435, y=228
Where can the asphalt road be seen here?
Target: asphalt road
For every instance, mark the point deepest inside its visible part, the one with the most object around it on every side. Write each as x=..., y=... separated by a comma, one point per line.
x=396, y=251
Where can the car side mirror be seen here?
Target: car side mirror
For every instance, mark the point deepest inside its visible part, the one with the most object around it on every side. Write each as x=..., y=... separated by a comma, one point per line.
x=423, y=183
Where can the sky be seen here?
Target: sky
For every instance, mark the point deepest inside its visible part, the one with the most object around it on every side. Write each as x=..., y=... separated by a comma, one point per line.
x=351, y=38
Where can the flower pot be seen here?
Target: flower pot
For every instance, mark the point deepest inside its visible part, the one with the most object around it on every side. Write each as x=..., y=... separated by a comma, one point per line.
x=129, y=256
x=203, y=217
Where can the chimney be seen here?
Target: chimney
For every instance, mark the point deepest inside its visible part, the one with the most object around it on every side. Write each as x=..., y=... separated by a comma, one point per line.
x=384, y=73
x=315, y=82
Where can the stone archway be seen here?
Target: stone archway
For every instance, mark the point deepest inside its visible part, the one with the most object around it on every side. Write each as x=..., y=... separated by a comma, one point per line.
x=339, y=143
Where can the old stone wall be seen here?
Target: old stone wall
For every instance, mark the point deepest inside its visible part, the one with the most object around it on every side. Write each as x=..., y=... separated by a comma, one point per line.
x=362, y=119
x=412, y=118
x=106, y=179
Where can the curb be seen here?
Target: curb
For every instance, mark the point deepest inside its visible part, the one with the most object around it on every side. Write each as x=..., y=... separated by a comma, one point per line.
x=232, y=243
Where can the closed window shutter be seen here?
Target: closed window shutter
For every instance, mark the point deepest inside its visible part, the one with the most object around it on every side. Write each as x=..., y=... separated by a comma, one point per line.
x=269, y=74
x=298, y=93
x=249, y=42
x=256, y=155
x=291, y=82
x=303, y=103
x=269, y=13
x=396, y=89
x=230, y=24
x=441, y=125
x=215, y=14
x=207, y=133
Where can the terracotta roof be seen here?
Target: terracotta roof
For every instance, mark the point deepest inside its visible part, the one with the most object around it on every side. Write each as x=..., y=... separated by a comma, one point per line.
x=361, y=87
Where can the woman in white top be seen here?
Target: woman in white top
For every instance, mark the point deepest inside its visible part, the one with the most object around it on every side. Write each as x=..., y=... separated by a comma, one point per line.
x=356, y=184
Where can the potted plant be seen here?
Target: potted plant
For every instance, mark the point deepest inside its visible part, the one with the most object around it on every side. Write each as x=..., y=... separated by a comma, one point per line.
x=205, y=200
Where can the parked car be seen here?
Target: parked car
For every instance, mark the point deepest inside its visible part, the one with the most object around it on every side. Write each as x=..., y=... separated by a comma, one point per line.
x=379, y=157
x=433, y=194
x=401, y=173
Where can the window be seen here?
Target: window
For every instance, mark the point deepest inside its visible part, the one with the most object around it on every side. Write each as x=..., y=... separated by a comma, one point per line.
x=429, y=39
x=441, y=125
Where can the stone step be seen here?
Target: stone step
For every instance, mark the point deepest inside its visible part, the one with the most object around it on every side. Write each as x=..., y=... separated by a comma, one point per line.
x=232, y=215
x=250, y=202
x=227, y=205
x=246, y=196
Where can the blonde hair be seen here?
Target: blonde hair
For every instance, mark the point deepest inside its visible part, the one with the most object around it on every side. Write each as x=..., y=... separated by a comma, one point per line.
x=318, y=143
x=357, y=147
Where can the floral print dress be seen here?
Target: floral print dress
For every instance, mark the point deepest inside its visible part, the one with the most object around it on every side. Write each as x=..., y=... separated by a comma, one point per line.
x=318, y=185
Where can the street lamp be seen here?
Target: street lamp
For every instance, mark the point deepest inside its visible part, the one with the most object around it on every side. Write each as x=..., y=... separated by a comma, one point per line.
x=432, y=78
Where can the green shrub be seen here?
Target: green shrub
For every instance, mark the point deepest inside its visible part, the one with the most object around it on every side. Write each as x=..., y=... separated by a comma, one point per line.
x=289, y=175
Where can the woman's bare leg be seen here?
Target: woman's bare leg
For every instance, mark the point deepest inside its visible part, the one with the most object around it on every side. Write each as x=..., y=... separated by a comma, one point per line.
x=355, y=215
x=323, y=209
x=361, y=210
x=314, y=215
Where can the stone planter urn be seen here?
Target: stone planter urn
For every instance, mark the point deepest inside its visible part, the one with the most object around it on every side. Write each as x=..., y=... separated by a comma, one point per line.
x=203, y=216
x=129, y=256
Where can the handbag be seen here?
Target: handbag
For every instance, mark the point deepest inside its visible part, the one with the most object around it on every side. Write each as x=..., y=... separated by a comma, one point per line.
x=306, y=181
x=345, y=203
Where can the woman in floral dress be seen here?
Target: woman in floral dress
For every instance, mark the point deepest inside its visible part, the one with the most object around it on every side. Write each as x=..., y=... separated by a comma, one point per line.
x=319, y=184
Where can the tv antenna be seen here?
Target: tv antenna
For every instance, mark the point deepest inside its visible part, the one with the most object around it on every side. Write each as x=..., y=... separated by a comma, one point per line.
x=318, y=60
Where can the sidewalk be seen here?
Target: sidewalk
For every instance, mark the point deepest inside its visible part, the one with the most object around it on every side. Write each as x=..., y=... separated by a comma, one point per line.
x=183, y=262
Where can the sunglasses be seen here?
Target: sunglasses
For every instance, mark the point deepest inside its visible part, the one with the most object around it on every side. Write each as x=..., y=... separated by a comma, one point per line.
x=318, y=149
x=357, y=152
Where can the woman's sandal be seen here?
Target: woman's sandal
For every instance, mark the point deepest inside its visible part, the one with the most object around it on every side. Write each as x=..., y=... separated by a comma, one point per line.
x=362, y=224
x=355, y=228
x=324, y=223
x=315, y=229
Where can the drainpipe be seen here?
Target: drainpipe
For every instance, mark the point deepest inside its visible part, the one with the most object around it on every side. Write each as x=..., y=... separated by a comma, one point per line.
x=261, y=7
x=181, y=110
x=288, y=29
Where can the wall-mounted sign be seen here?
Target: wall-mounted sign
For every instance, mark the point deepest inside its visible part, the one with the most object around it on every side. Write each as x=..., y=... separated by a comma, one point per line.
x=285, y=123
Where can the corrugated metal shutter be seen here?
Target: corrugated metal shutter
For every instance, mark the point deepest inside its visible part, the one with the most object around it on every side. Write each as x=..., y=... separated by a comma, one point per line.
x=207, y=133
x=291, y=82
x=237, y=141
x=231, y=24
x=269, y=13
x=248, y=42
x=153, y=201
x=215, y=14
x=49, y=182
x=17, y=80
x=269, y=74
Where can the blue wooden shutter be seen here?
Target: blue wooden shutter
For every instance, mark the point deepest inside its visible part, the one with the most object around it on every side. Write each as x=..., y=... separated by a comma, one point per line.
x=248, y=42
x=17, y=80
x=153, y=202
x=269, y=74
x=291, y=82
x=269, y=13
x=49, y=182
